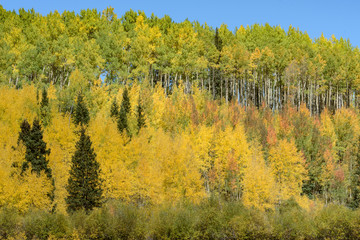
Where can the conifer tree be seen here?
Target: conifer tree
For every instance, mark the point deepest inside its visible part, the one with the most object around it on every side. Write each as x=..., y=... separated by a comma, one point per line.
x=122, y=121
x=24, y=133
x=44, y=108
x=124, y=110
x=84, y=184
x=125, y=104
x=218, y=40
x=81, y=113
x=44, y=99
x=140, y=116
x=114, y=111
x=36, y=151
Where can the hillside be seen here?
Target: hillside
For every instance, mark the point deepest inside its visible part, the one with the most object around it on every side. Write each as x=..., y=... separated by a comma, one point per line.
x=178, y=115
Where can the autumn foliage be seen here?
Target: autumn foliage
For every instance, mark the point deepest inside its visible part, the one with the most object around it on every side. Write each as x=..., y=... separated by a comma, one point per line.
x=246, y=126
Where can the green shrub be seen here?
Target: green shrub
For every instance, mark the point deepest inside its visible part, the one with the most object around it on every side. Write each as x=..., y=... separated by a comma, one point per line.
x=9, y=223
x=293, y=222
x=41, y=224
x=98, y=224
x=129, y=221
x=209, y=223
x=335, y=222
x=172, y=222
x=250, y=224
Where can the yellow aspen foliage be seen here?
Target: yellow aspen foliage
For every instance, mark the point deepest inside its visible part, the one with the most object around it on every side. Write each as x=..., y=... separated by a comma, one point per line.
x=51, y=92
x=147, y=166
x=307, y=204
x=258, y=183
x=25, y=191
x=158, y=107
x=202, y=141
x=144, y=45
x=32, y=192
x=181, y=176
x=134, y=93
x=166, y=171
x=255, y=58
x=77, y=81
x=287, y=166
x=176, y=116
x=327, y=130
x=118, y=97
x=7, y=185
x=200, y=96
x=347, y=129
x=97, y=97
x=327, y=127
x=109, y=146
x=17, y=104
x=60, y=137
x=231, y=155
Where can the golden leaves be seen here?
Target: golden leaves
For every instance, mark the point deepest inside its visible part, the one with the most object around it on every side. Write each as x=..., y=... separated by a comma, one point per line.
x=288, y=167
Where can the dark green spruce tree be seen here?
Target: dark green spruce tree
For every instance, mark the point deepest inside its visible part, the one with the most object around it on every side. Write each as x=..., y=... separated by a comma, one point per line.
x=122, y=121
x=44, y=108
x=84, y=184
x=125, y=103
x=140, y=116
x=124, y=110
x=81, y=112
x=36, y=151
x=23, y=139
x=114, y=111
x=24, y=133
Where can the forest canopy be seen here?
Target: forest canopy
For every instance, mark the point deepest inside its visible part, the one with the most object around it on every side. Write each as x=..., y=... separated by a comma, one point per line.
x=257, y=64
x=176, y=114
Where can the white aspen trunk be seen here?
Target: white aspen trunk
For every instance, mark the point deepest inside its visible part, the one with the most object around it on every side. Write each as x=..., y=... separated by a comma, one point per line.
x=226, y=90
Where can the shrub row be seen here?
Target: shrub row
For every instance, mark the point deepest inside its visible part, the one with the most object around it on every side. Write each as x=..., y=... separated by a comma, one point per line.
x=212, y=219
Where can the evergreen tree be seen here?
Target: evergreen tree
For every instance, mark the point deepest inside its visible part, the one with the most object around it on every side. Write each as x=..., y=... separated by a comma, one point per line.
x=122, y=121
x=114, y=111
x=81, y=113
x=84, y=184
x=44, y=108
x=44, y=99
x=218, y=40
x=125, y=103
x=140, y=116
x=36, y=151
x=24, y=133
x=124, y=110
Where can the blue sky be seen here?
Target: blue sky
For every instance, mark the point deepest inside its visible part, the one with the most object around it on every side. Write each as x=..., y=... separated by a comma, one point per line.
x=341, y=18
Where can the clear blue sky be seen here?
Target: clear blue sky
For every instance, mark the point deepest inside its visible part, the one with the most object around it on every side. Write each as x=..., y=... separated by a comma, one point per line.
x=341, y=18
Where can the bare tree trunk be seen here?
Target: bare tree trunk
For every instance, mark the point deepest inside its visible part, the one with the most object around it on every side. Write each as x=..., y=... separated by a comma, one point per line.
x=226, y=90
x=213, y=82
x=221, y=88
x=165, y=84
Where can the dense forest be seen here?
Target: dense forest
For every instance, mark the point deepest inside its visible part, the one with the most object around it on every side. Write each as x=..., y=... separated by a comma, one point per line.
x=140, y=127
